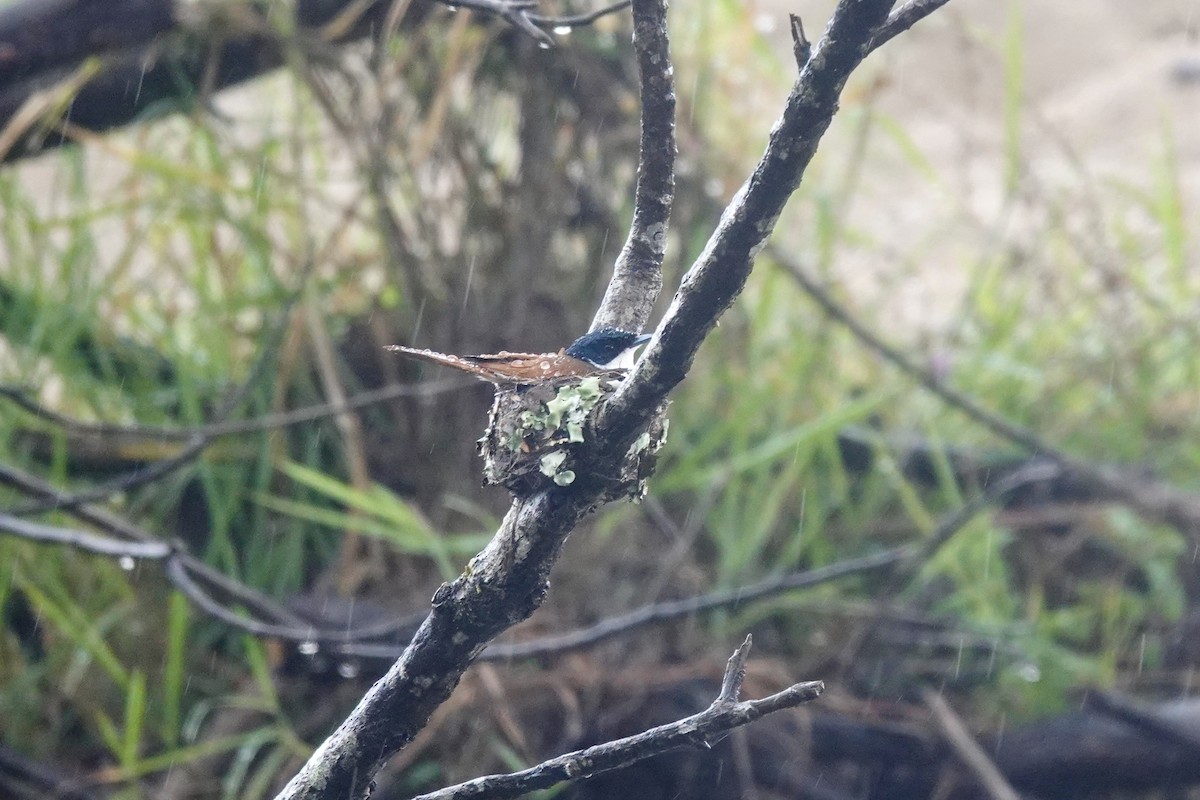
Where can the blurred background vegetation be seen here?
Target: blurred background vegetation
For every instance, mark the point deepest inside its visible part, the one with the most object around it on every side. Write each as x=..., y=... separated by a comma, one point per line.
x=997, y=197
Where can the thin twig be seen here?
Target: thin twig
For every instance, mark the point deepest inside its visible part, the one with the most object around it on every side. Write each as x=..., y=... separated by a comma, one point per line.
x=904, y=18
x=81, y=540
x=514, y=12
x=908, y=558
x=141, y=476
x=698, y=731
x=801, y=46
x=268, y=617
x=968, y=750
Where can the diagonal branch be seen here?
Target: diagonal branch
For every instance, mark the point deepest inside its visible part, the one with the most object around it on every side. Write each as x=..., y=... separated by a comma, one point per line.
x=128, y=541
x=976, y=759
x=1156, y=499
x=700, y=730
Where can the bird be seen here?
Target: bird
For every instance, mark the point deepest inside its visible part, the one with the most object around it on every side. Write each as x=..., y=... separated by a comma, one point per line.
x=601, y=350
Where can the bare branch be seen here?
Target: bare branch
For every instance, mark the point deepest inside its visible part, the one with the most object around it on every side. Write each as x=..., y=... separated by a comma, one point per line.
x=904, y=18
x=719, y=274
x=699, y=731
x=81, y=540
x=637, y=275
x=906, y=559
x=269, y=618
x=683, y=608
x=1153, y=498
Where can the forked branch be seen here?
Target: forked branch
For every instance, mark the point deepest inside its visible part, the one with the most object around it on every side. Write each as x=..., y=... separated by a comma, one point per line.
x=506, y=582
x=700, y=730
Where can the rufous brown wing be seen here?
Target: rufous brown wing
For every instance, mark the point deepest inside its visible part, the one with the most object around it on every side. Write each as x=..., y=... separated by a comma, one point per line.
x=505, y=367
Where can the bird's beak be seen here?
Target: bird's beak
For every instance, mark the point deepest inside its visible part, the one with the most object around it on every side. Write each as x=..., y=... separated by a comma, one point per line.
x=641, y=340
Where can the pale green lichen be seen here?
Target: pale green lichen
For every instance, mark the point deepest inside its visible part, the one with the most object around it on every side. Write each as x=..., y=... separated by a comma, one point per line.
x=572, y=403
x=567, y=411
x=533, y=422
x=551, y=464
x=552, y=461
x=640, y=443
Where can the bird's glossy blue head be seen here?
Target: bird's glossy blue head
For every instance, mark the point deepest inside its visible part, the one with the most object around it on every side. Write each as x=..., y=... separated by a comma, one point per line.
x=608, y=348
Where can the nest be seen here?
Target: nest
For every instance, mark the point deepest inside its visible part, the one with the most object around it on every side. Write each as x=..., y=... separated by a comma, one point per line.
x=543, y=434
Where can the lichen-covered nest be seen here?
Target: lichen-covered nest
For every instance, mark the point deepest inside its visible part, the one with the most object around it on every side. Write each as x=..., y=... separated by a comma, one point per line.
x=543, y=434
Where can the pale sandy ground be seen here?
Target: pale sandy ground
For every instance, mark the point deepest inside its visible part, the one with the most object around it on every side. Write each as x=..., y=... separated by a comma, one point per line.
x=1111, y=88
